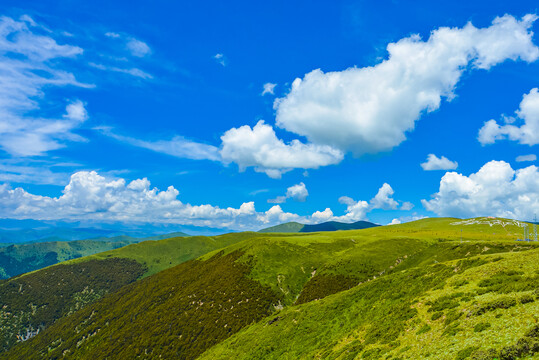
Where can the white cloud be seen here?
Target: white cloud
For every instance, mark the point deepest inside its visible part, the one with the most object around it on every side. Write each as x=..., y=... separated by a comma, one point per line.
x=130, y=71
x=355, y=210
x=259, y=147
x=177, y=146
x=527, y=133
x=90, y=196
x=297, y=192
x=32, y=172
x=322, y=216
x=383, y=199
x=220, y=58
x=405, y=219
x=269, y=88
x=278, y=200
x=407, y=206
x=358, y=210
x=76, y=111
x=24, y=77
x=112, y=34
x=368, y=110
x=435, y=163
x=495, y=190
x=531, y=157
x=138, y=48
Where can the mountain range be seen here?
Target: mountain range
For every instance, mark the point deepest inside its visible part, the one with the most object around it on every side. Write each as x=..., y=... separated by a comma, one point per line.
x=294, y=227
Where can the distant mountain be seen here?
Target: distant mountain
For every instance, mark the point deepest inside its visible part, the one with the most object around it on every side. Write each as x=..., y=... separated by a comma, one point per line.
x=21, y=258
x=289, y=227
x=335, y=225
x=14, y=231
x=295, y=227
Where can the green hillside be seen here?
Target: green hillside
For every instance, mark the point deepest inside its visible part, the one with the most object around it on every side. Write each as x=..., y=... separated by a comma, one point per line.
x=36, y=300
x=432, y=289
x=22, y=258
x=19, y=259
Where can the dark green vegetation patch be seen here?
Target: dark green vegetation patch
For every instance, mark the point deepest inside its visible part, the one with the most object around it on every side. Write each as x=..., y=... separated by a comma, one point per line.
x=175, y=314
x=35, y=301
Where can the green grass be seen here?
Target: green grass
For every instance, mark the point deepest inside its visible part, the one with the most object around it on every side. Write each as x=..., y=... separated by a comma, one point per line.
x=390, y=317
x=158, y=255
x=421, y=290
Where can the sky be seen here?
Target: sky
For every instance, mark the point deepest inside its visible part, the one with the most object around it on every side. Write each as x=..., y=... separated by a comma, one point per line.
x=241, y=115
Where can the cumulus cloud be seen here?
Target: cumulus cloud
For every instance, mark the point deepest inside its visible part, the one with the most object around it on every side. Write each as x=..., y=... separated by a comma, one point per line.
x=90, y=196
x=322, y=216
x=435, y=163
x=495, y=190
x=297, y=192
x=383, y=199
x=370, y=109
x=527, y=133
x=522, y=158
x=29, y=63
x=358, y=210
x=268, y=89
x=138, y=48
x=178, y=146
x=260, y=148
x=355, y=210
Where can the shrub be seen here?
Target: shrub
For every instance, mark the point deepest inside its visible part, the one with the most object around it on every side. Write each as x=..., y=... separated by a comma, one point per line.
x=482, y=326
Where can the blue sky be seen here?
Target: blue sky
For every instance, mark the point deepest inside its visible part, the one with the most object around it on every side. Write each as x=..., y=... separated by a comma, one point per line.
x=107, y=105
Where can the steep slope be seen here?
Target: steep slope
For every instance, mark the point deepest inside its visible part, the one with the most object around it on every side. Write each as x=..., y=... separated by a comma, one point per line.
x=33, y=302
x=64, y=288
x=19, y=259
x=347, y=294
x=178, y=313
x=479, y=308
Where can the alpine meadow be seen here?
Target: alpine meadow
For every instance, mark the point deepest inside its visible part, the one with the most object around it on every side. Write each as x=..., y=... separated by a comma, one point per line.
x=243, y=180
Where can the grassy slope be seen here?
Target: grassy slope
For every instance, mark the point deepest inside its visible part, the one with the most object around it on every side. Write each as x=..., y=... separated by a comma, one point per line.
x=150, y=256
x=370, y=319
x=391, y=316
x=35, y=301
x=175, y=314
x=18, y=259
x=163, y=254
x=22, y=258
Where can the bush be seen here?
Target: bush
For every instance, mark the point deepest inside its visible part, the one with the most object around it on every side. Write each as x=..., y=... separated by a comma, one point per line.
x=482, y=326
